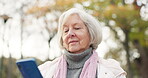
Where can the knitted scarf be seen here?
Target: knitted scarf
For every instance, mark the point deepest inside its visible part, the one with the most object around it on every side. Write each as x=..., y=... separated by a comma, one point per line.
x=88, y=71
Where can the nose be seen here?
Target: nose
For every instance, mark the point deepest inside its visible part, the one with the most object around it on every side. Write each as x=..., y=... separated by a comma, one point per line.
x=71, y=33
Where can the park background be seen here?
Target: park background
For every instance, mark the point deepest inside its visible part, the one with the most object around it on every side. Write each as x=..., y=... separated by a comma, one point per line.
x=28, y=30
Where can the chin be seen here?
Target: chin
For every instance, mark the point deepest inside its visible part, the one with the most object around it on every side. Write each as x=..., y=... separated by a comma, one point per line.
x=74, y=51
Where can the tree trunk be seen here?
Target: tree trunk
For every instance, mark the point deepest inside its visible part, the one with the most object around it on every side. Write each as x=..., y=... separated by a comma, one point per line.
x=142, y=61
x=9, y=70
x=1, y=67
x=126, y=46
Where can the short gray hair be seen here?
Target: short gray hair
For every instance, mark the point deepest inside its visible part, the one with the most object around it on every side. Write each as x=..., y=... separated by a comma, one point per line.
x=91, y=23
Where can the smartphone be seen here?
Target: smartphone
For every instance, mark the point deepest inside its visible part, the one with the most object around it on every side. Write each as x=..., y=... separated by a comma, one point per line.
x=28, y=68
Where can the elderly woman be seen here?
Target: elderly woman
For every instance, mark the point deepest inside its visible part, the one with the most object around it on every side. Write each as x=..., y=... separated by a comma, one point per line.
x=79, y=34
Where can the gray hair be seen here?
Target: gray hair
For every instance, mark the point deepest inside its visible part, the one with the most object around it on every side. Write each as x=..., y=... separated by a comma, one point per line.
x=91, y=23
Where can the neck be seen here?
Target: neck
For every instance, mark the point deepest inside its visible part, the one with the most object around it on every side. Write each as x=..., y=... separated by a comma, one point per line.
x=77, y=60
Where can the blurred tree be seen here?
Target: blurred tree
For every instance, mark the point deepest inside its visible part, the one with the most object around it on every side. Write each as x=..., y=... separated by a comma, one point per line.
x=127, y=18
x=5, y=41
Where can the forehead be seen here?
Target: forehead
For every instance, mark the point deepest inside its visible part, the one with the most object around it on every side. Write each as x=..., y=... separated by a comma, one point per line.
x=73, y=19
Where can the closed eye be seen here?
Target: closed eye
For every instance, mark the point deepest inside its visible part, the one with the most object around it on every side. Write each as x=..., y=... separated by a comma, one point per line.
x=66, y=31
x=77, y=28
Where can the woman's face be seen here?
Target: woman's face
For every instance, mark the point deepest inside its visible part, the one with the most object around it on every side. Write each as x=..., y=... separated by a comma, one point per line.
x=75, y=36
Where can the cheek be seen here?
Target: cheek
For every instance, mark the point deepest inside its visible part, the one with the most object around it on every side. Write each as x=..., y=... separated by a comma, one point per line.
x=64, y=40
x=86, y=39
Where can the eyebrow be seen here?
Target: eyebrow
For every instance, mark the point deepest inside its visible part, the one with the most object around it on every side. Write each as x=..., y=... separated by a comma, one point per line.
x=72, y=24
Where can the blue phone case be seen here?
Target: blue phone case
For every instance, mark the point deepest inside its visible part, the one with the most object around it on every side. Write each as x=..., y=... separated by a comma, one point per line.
x=28, y=68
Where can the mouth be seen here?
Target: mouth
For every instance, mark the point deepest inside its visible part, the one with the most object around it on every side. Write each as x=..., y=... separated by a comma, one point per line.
x=72, y=42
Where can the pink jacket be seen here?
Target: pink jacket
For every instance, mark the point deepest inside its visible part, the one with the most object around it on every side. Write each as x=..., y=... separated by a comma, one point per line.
x=106, y=69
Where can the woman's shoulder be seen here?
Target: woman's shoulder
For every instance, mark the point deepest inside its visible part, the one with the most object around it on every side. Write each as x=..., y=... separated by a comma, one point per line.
x=48, y=68
x=48, y=64
x=112, y=66
x=109, y=62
